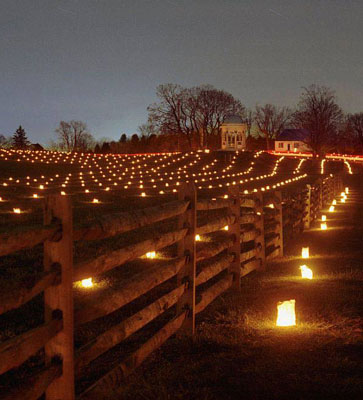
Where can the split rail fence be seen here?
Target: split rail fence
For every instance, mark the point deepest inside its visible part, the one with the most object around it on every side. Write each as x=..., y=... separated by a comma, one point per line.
x=238, y=234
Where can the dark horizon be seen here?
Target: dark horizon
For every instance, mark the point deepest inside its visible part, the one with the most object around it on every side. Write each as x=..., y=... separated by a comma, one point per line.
x=101, y=61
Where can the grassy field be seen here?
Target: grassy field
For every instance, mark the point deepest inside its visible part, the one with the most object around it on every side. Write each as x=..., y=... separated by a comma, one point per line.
x=227, y=352
x=239, y=353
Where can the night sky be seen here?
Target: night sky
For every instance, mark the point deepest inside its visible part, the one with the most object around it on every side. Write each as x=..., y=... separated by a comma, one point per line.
x=100, y=61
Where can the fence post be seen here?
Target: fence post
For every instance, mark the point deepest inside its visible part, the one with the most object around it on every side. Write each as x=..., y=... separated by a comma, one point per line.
x=260, y=225
x=299, y=213
x=59, y=299
x=307, y=210
x=281, y=223
x=321, y=188
x=235, y=230
x=187, y=248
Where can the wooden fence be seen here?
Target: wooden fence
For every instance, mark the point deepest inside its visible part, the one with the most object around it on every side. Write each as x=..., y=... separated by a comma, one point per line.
x=238, y=234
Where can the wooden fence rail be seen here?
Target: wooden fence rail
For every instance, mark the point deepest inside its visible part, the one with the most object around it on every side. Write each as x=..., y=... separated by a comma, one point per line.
x=236, y=236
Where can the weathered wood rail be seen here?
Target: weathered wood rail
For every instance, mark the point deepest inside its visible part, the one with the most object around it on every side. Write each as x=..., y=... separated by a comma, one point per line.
x=246, y=231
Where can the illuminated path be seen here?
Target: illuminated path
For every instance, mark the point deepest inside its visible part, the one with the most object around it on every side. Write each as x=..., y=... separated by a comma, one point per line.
x=240, y=353
x=344, y=238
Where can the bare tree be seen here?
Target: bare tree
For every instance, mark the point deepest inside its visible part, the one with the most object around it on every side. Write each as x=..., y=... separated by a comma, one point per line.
x=195, y=112
x=148, y=129
x=211, y=107
x=86, y=142
x=74, y=136
x=5, y=142
x=355, y=128
x=271, y=121
x=250, y=118
x=319, y=113
x=169, y=115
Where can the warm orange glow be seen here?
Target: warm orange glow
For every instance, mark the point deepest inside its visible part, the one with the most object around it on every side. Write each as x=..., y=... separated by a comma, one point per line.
x=323, y=218
x=305, y=252
x=151, y=254
x=323, y=226
x=331, y=209
x=95, y=201
x=286, y=313
x=87, y=283
x=16, y=210
x=306, y=273
x=226, y=228
x=197, y=238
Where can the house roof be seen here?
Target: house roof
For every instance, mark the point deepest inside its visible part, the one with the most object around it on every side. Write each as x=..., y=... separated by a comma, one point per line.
x=233, y=119
x=293, y=134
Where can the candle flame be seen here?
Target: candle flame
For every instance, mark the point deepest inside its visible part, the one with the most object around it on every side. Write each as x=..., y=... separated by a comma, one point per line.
x=87, y=283
x=151, y=254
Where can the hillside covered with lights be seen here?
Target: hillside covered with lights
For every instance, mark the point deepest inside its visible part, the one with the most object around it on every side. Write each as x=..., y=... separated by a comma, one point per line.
x=102, y=183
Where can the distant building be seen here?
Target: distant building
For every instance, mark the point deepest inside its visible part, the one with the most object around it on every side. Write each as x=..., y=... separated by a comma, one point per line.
x=36, y=146
x=233, y=133
x=292, y=140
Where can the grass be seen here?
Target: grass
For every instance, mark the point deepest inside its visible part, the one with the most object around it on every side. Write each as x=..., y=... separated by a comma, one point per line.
x=238, y=351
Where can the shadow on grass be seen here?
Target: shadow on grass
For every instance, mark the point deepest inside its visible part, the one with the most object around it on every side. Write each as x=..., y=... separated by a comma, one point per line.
x=240, y=353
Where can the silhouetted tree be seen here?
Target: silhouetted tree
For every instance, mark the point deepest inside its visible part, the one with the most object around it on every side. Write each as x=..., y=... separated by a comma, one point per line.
x=134, y=139
x=147, y=129
x=249, y=121
x=19, y=139
x=97, y=149
x=74, y=136
x=5, y=142
x=209, y=107
x=319, y=113
x=105, y=148
x=123, y=138
x=195, y=112
x=86, y=142
x=355, y=128
x=271, y=121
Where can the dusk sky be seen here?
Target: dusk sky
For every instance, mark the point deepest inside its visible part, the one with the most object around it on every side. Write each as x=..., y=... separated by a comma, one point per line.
x=100, y=61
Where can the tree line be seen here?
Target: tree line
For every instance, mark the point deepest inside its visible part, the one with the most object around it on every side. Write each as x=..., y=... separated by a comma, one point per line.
x=197, y=114
x=190, y=118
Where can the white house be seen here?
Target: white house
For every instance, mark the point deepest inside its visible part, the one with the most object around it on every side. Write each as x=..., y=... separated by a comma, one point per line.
x=233, y=133
x=293, y=140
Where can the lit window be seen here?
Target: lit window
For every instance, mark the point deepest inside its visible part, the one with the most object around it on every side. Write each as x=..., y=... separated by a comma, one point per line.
x=281, y=145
